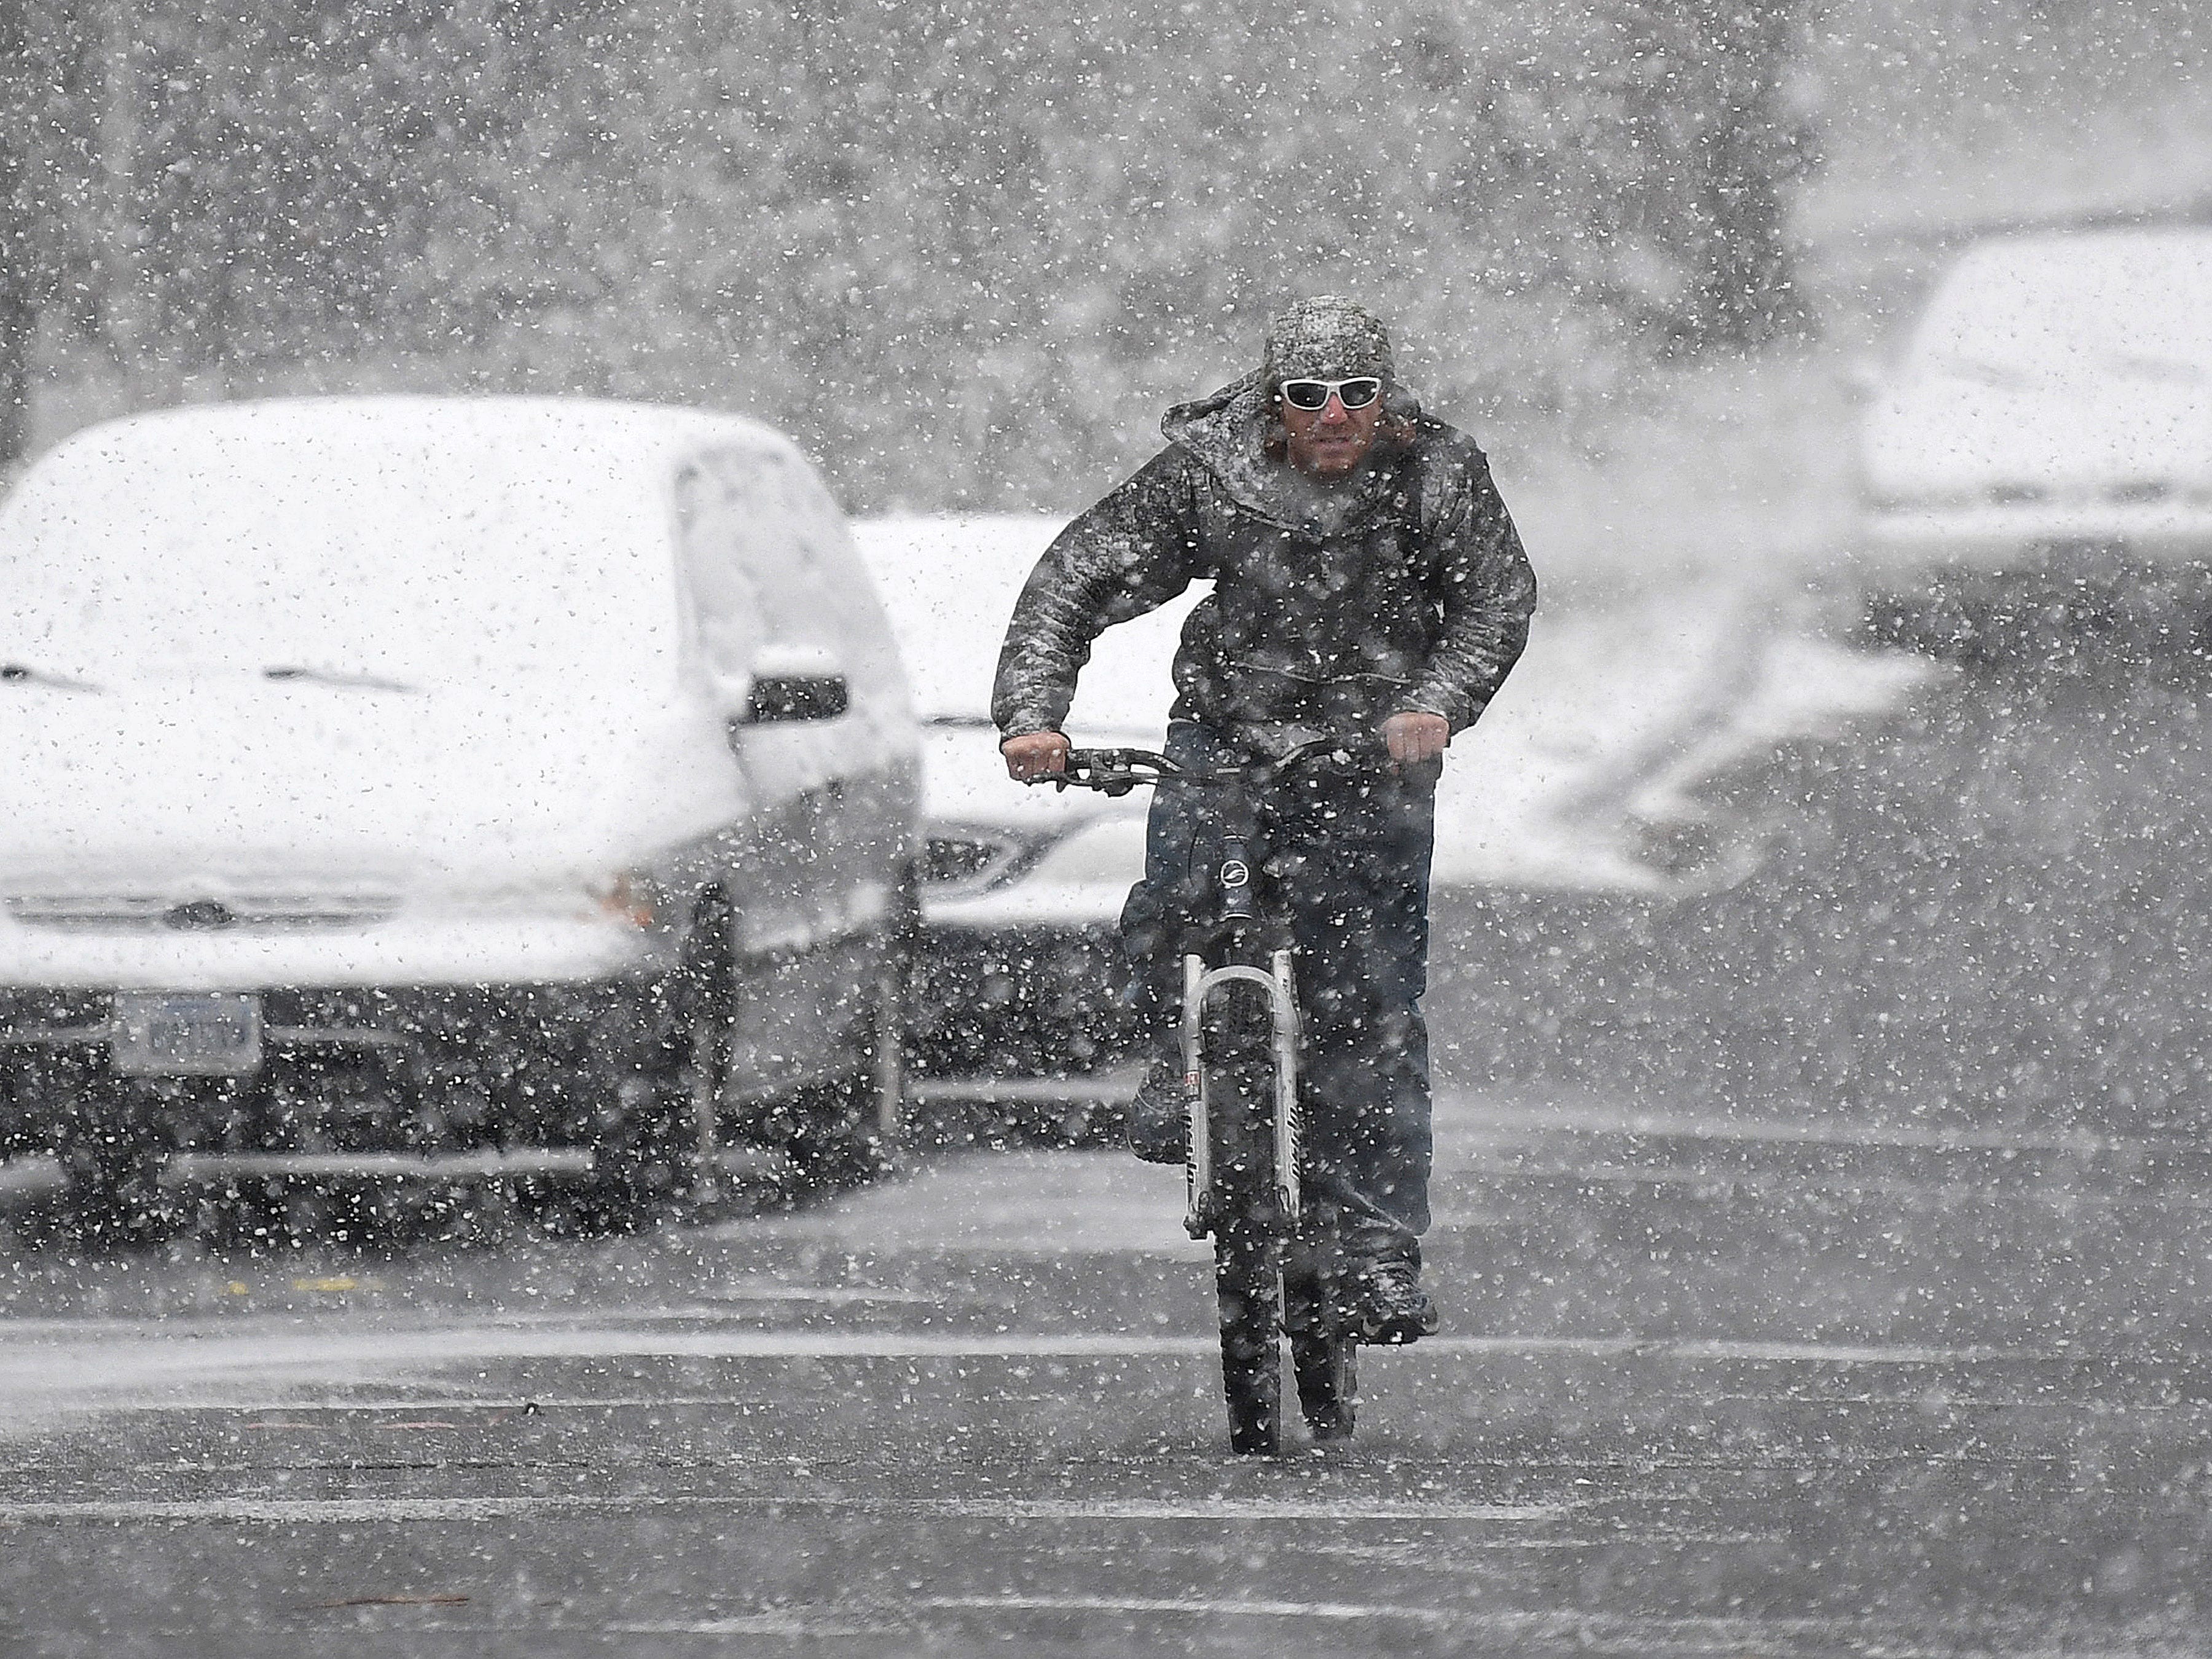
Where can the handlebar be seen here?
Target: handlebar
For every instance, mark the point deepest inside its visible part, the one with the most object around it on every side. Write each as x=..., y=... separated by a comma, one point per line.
x=1117, y=771
x=1110, y=771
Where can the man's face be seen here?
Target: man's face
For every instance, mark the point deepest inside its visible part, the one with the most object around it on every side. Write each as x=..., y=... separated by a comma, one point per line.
x=1330, y=442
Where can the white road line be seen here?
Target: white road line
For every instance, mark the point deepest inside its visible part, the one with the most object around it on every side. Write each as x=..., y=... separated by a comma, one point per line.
x=294, y=1512
x=214, y=1348
x=297, y=1511
x=48, y=1379
x=1229, y=1509
x=1480, y=1118
x=1346, y=1610
x=714, y=1303
x=1844, y=1353
x=767, y=1624
x=1771, y=1183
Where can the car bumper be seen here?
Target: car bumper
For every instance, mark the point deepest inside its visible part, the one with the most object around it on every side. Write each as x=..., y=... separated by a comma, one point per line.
x=41, y=1173
x=346, y=1072
x=480, y=950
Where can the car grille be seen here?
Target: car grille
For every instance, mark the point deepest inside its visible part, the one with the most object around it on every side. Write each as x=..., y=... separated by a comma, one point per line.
x=2138, y=490
x=140, y=912
x=2129, y=492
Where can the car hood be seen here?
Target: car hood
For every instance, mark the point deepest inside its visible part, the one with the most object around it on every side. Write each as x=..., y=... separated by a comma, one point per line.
x=1942, y=434
x=215, y=784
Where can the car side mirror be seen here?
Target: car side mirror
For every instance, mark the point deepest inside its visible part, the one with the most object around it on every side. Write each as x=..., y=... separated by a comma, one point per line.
x=795, y=682
x=779, y=697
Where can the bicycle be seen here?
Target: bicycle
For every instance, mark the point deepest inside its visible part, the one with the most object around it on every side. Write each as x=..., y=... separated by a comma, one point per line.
x=1278, y=1267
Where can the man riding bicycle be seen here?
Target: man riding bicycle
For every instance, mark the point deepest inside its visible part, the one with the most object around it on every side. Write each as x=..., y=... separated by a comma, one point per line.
x=1368, y=585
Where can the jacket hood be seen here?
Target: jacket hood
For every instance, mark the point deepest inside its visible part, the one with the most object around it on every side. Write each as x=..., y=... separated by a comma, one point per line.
x=1227, y=432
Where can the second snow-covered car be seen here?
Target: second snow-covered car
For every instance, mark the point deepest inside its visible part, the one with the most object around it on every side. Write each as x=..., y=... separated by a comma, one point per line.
x=2047, y=440
x=1021, y=889
x=498, y=784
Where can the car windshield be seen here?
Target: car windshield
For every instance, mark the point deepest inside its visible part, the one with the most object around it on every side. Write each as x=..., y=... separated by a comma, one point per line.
x=350, y=554
x=2137, y=309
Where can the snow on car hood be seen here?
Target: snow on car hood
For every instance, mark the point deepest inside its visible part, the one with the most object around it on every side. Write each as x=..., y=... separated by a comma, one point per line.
x=1943, y=434
x=159, y=785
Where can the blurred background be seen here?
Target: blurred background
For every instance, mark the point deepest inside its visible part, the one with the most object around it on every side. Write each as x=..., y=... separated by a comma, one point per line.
x=965, y=252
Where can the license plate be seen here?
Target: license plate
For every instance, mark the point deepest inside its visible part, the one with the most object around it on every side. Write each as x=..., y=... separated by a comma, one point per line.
x=166, y=1034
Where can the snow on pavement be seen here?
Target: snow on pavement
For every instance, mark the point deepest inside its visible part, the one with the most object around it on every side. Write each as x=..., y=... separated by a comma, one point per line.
x=1594, y=748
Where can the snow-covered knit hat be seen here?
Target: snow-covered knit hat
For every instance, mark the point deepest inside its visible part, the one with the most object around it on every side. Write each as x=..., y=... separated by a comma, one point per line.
x=1327, y=337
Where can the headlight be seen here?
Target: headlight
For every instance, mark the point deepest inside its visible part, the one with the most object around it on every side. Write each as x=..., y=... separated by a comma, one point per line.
x=961, y=858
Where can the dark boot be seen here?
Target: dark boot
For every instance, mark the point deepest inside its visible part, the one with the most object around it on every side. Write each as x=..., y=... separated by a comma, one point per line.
x=1386, y=1304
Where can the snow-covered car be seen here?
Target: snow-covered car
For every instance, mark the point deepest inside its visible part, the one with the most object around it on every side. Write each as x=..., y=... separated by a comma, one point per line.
x=2052, y=414
x=1021, y=888
x=515, y=785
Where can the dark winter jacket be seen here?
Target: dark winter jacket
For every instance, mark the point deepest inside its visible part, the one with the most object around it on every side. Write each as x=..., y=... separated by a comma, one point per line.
x=1404, y=588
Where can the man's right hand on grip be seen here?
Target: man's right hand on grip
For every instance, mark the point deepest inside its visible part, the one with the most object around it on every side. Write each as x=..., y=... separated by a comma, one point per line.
x=1035, y=754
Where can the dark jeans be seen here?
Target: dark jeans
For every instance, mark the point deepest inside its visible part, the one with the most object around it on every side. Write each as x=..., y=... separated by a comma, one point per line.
x=1348, y=850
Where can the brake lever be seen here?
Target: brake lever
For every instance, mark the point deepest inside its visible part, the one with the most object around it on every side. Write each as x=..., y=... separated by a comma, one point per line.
x=1111, y=784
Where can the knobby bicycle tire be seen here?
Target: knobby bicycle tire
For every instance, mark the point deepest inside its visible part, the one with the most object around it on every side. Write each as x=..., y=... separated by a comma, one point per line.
x=1247, y=1235
x=1247, y=1279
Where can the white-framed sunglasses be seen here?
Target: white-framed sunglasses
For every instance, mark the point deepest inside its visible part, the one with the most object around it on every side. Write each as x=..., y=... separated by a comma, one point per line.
x=1309, y=395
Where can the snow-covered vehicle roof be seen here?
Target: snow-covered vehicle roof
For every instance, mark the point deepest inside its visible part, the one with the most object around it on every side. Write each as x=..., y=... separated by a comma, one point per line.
x=2056, y=397
x=419, y=538
x=2131, y=304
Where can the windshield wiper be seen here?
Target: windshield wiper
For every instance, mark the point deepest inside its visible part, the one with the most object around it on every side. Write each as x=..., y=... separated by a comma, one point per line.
x=2002, y=377
x=2141, y=366
x=22, y=673
x=333, y=677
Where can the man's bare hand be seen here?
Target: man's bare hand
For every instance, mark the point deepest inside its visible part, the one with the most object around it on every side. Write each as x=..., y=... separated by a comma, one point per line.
x=1416, y=740
x=1035, y=754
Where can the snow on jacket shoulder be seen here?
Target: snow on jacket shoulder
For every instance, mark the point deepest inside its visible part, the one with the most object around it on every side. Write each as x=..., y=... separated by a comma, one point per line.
x=1334, y=606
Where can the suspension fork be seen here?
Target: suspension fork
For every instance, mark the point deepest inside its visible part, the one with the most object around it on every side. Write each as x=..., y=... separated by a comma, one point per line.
x=1200, y=985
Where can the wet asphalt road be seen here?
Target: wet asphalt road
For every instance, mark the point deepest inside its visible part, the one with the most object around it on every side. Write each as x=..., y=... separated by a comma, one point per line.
x=1820, y=1261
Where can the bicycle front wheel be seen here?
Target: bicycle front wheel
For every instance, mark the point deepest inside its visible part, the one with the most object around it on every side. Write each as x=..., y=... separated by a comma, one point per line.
x=1247, y=1278
x=1247, y=1256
